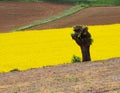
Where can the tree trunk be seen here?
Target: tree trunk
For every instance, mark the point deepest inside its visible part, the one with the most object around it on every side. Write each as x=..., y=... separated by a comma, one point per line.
x=85, y=53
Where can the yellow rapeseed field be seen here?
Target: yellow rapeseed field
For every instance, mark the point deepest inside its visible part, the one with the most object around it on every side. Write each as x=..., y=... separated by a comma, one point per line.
x=37, y=48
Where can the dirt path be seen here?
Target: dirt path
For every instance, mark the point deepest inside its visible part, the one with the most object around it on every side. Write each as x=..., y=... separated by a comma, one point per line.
x=88, y=16
x=17, y=14
x=95, y=77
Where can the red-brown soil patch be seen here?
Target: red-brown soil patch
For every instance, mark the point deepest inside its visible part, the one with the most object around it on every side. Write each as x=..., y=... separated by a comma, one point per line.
x=95, y=77
x=17, y=14
x=89, y=77
x=88, y=16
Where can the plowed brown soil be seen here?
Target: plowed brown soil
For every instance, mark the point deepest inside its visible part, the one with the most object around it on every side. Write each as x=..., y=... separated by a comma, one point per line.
x=88, y=77
x=88, y=16
x=17, y=14
x=14, y=15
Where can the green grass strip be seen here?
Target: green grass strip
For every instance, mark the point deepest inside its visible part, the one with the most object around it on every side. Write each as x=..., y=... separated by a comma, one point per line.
x=64, y=14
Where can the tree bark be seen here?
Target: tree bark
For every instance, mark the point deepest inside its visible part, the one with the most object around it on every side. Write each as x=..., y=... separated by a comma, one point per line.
x=85, y=53
x=83, y=39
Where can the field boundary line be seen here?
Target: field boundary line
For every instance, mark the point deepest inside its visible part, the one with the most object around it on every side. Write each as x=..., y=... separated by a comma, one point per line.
x=67, y=12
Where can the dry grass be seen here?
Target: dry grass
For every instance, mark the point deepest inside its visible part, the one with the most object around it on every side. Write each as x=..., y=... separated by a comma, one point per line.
x=90, y=77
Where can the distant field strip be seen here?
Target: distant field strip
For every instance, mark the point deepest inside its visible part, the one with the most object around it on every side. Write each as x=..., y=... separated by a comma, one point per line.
x=68, y=12
x=37, y=48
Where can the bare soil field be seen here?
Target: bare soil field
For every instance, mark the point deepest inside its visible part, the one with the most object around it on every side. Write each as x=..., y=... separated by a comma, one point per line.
x=14, y=15
x=17, y=14
x=88, y=16
x=88, y=77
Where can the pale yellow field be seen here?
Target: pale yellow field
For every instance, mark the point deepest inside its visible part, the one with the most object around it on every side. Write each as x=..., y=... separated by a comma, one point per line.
x=33, y=49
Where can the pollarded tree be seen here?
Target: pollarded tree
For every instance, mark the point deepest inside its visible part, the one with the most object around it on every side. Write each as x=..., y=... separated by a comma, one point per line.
x=83, y=39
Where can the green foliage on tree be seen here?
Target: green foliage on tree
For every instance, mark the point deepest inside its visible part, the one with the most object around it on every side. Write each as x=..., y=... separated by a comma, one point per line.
x=83, y=38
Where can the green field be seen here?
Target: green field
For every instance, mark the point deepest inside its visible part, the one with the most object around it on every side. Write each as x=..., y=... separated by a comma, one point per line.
x=80, y=4
x=89, y=2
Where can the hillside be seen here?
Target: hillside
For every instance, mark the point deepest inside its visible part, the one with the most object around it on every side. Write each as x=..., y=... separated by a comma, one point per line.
x=95, y=77
x=88, y=16
x=17, y=14
x=88, y=77
x=14, y=15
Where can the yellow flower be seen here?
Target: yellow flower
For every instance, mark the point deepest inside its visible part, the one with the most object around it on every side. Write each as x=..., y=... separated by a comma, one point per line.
x=38, y=48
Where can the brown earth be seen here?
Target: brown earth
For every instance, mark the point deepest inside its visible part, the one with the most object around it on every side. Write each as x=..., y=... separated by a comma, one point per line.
x=17, y=14
x=88, y=77
x=88, y=16
x=14, y=15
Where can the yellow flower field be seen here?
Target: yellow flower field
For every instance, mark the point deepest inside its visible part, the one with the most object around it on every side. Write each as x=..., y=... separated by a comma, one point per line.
x=37, y=48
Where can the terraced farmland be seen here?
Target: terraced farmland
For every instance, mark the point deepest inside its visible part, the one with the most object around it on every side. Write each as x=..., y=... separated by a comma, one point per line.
x=88, y=16
x=17, y=14
x=37, y=48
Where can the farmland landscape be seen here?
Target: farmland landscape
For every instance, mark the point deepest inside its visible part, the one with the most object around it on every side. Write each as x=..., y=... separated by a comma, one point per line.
x=36, y=36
